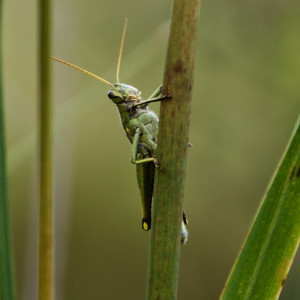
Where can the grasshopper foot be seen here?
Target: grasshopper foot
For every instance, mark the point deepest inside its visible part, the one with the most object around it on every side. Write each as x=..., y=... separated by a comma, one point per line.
x=157, y=165
x=167, y=96
x=184, y=235
x=184, y=232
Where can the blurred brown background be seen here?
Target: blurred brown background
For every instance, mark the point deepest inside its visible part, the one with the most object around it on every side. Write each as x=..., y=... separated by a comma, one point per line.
x=246, y=101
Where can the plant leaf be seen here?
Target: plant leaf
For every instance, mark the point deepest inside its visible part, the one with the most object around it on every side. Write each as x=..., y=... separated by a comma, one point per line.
x=266, y=257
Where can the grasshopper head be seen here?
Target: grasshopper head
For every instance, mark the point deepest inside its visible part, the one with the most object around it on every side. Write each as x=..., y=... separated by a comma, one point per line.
x=123, y=93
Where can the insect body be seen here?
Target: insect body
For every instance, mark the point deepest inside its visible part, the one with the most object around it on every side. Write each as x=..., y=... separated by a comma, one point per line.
x=141, y=127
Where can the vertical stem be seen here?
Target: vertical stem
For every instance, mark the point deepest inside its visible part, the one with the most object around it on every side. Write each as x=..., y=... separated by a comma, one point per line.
x=172, y=152
x=46, y=248
x=6, y=269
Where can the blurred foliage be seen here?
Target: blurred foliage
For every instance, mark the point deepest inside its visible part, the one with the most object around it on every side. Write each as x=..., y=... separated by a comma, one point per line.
x=246, y=101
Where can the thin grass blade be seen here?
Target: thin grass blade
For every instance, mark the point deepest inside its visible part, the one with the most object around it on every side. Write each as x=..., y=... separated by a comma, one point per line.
x=46, y=245
x=6, y=269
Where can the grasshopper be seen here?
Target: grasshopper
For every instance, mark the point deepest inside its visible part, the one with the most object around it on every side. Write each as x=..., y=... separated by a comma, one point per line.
x=141, y=127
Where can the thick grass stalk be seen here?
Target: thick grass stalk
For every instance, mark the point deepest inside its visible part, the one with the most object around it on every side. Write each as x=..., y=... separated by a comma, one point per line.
x=173, y=141
x=264, y=262
x=46, y=247
x=6, y=269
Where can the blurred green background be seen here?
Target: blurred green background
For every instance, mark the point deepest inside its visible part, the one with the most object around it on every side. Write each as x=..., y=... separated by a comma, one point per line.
x=246, y=101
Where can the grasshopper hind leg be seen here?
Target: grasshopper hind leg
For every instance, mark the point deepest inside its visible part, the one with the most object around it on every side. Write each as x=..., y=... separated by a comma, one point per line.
x=145, y=177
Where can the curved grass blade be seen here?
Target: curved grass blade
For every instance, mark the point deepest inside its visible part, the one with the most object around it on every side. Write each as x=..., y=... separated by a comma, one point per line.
x=264, y=262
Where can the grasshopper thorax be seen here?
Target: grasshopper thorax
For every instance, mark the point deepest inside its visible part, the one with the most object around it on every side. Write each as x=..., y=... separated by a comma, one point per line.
x=122, y=92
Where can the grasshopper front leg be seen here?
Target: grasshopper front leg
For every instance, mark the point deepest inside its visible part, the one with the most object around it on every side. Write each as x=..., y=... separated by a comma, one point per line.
x=157, y=92
x=155, y=96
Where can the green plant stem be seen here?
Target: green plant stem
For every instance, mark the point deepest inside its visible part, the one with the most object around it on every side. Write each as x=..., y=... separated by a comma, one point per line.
x=46, y=247
x=173, y=141
x=6, y=269
x=263, y=264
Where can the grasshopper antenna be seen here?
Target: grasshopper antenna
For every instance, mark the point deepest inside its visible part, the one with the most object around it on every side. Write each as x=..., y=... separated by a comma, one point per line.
x=82, y=70
x=121, y=50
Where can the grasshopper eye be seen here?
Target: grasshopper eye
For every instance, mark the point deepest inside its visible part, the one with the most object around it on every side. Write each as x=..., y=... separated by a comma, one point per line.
x=115, y=96
x=110, y=94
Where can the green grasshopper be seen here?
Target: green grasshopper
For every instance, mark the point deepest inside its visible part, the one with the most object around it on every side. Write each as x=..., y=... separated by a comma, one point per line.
x=141, y=127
